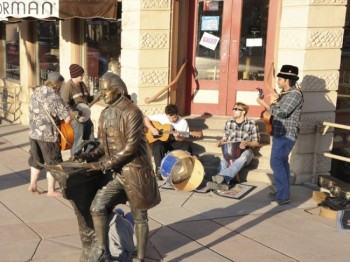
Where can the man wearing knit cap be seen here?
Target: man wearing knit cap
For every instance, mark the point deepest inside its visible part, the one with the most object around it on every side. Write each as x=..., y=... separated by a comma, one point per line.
x=75, y=94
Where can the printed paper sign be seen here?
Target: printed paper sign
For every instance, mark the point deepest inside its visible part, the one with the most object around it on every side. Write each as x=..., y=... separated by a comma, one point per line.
x=209, y=41
x=250, y=42
x=210, y=23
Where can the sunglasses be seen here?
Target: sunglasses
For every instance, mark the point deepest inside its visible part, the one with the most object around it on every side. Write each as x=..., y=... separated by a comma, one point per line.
x=237, y=109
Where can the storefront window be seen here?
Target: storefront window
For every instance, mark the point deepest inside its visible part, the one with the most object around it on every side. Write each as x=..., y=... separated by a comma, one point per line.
x=48, y=48
x=12, y=51
x=253, y=40
x=103, y=48
x=208, y=42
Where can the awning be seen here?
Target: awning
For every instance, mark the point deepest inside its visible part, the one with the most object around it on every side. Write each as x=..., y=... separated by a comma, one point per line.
x=62, y=9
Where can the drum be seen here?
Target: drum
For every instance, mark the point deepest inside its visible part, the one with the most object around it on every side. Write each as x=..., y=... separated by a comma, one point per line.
x=85, y=109
x=184, y=171
x=231, y=150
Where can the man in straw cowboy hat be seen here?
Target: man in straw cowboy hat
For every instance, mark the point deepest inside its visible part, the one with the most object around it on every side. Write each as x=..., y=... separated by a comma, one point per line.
x=285, y=129
x=46, y=107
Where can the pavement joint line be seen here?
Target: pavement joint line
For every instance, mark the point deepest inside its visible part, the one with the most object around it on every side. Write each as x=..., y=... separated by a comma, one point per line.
x=24, y=223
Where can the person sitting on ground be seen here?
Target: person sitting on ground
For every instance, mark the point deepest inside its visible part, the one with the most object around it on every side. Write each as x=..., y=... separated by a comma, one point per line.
x=239, y=129
x=176, y=141
x=121, y=236
x=46, y=108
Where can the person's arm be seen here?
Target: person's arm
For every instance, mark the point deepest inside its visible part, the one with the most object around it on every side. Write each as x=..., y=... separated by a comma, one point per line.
x=286, y=106
x=263, y=103
x=254, y=137
x=149, y=125
x=225, y=136
x=182, y=127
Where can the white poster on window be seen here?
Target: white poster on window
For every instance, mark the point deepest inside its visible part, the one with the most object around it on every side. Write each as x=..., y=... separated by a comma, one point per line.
x=209, y=41
x=251, y=42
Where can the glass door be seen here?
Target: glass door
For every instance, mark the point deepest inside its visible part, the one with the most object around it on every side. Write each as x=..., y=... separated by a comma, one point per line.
x=232, y=53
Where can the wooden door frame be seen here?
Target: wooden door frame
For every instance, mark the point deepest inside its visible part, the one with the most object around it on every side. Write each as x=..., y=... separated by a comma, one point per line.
x=233, y=51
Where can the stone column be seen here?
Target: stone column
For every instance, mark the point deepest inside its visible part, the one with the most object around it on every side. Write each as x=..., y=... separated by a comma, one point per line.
x=145, y=54
x=311, y=36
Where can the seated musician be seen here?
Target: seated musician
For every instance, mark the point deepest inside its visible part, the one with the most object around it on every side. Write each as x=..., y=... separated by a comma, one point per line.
x=176, y=140
x=239, y=129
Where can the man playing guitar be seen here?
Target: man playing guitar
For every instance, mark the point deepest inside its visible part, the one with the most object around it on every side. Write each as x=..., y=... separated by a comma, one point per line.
x=285, y=129
x=176, y=141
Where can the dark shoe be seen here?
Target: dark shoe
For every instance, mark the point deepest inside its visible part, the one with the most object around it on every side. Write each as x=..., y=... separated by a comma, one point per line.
x=279, y=202
x=218, y=179
x=218, y=187
x=272, y=195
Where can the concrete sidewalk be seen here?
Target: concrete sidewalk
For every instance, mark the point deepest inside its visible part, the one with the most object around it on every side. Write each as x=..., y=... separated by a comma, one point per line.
x=186, y=226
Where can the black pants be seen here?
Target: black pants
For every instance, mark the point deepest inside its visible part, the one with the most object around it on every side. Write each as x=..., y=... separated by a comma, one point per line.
x=160, y=149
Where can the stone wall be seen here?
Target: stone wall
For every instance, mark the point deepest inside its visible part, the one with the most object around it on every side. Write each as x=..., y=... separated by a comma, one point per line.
x=311, y=35
x=145, y=55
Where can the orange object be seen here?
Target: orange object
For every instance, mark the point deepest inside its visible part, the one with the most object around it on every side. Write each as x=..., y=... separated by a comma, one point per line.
x=165, y=131
x=267, y=117
x=68, y=136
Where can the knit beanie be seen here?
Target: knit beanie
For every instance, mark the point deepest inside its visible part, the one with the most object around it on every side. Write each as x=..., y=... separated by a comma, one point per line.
x=75, y=70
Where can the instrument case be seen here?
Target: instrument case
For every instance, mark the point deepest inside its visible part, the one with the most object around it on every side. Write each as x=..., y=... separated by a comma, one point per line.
x=335, y=186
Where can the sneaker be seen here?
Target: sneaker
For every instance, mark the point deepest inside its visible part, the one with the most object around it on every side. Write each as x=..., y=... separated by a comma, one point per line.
x=279, y=202
x=217, y=187
x=218, y=179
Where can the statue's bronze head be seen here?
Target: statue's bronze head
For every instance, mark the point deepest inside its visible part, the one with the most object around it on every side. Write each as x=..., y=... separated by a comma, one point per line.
x=112, y=88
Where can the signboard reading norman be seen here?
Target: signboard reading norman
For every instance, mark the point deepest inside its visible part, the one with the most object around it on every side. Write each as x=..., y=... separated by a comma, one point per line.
x=29, y=8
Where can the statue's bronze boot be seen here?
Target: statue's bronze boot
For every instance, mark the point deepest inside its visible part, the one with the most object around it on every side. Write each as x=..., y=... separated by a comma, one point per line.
x=141, y=232
x=100, y=252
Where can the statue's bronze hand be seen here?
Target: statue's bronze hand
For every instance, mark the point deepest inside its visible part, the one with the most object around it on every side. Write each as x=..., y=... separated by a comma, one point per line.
x=88, y=157
x=92, y=166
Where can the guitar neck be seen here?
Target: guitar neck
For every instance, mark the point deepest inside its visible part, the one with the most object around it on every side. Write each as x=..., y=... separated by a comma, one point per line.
x=171, y=132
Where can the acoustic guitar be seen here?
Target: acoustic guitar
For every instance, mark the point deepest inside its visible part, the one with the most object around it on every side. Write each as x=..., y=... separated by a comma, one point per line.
x=267, y=117
x=165, y=131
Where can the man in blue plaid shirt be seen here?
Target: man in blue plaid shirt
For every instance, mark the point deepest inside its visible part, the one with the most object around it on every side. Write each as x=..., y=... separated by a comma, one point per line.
x=285, y=129
x=243, y=133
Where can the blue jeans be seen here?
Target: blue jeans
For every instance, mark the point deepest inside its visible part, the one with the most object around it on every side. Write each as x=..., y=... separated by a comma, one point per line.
x=281, y=148
x=229, y=172
x=82, y=132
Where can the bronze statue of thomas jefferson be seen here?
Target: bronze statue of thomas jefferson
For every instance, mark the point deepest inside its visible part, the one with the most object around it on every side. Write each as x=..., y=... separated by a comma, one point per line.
x=123, y=152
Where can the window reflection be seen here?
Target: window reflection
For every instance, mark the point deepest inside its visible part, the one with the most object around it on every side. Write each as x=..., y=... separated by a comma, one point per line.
x=208, y=36
x=48, y=48
x=253, y=40
x=103, y=48
x=12, y=51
